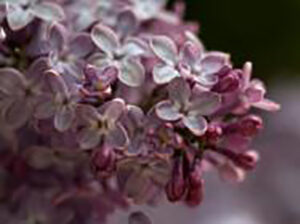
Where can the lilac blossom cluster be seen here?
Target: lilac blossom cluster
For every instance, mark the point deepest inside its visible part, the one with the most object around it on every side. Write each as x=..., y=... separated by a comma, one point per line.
x=105, y=104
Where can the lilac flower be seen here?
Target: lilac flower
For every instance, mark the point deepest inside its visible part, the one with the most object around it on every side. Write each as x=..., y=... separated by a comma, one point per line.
x=19, y=92
x=254, y=92
x=58, y=101
x=190, y=61
x=186, y=108
x=68, y=52
x=20, y=13
x=102, y=126
x=130, y=71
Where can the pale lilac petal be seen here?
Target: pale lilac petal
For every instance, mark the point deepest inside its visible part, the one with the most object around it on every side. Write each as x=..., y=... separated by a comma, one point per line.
x=36, y=70
x=197, y=125
x=105, y=38
x=190, y=53
x=165, y=49
x=139, y=218
x=205, y=104
x=89, y=138
x=114, y=109
x=163, y=74
x=134, y=47
x=18, y=18
x=45, y=108
x=132, y=73
x=11, y=80
x=17, y=113
x=247, y=72
x=57, y=37
x=213, y=62
x=56, y=83
x=64, y=118
x=88, y=113
x=167, y=111
x=126, y=23
x=117, y=137
x=81, y=45
x=179, y=92
x=267, y=105
x=48, y=11
x=207, y=79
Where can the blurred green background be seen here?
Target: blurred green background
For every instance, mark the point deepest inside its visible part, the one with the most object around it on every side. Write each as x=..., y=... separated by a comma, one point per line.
x=263, y=31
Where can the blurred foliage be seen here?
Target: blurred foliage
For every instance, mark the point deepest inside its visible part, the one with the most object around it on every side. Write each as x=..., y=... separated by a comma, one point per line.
x=263, y=31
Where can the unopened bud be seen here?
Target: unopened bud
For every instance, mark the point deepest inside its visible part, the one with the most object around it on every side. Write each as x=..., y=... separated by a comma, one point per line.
x=228, y=83
x=251, y=125
x=248, y=160
x=103, y=161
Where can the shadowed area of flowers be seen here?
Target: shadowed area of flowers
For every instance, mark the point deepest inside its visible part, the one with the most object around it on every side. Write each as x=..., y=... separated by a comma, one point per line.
x=108, y=104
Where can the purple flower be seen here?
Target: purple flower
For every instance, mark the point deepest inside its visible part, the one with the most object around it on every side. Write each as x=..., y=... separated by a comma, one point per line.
x=19, y=92
x=57, y=101
x=187, y=108
x=67, y=51
x=253, y=92
x=191, y=61
x=123, y=57
x=20, y=13
x=102, y=126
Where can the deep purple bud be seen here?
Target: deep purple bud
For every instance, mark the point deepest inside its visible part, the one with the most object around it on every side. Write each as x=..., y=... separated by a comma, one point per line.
x=103, y=161
x=194, y=195
x=176, y=186
x=251, y=125
x=228, y=83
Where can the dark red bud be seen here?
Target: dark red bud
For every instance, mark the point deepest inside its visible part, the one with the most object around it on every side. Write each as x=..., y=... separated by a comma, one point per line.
x=103, y=161
x=194, y=195
x=227, y=83
x=251, y=125
x=213, y=134
x=176, y=186
x=248, y=160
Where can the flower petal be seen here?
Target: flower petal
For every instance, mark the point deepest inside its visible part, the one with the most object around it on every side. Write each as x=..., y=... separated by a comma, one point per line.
x=18, y=18
x=179, y=92
x=197, y=125
x=56, y=83
x=11, y=80
x=213, y=62
x=88, y=113
x=167, y=111
x=190, y=53
x=267, y=105
x=113, y=109
x=205, y=104
x=81, y=45
x=117, y=137
x=57, y=37
x=165, y=49
x=132, y=73
x=64, y=118
x=163, y=74
x=89, y=138
x=17, y=113
x=45, y=107
x=134, y=47
x=105, y=38
x=126, y=23
x=48, y=11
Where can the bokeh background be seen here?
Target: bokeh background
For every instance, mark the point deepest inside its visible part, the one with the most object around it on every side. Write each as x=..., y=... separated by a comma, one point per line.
x=268, y=34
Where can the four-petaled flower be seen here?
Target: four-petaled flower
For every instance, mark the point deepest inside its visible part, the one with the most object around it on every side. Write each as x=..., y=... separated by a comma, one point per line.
x=191, y=61
x=125, y=58
x=102, y=125
x=187, y=108
x=20, y=13
x=58, y=101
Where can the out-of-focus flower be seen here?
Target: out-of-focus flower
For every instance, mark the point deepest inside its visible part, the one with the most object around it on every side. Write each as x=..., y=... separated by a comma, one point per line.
x=57, y=101
x=19, y=92
x=20, y=13
x=190, y=110
x=102, y=125
x=138, y=218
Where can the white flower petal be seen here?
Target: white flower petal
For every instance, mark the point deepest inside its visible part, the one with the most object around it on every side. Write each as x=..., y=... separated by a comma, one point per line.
x=163, y=74
x=167, y=111
x=197, y=125
x=132, y=73
x=165, y=49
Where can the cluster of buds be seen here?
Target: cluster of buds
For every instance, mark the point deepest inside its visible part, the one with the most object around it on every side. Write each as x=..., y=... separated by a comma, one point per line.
x=105, y=104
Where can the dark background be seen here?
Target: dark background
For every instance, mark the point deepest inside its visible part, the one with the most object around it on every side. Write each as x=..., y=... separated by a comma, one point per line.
x=263, y=31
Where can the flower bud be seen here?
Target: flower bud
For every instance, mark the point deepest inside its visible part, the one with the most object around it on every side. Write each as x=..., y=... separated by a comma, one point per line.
x=248, y=160
x=103, y=161
x=251, y=125
x=227, y=83
x=213, y=133
x=176, y=186
x=194, y=195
